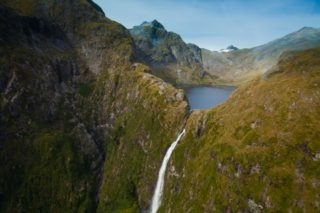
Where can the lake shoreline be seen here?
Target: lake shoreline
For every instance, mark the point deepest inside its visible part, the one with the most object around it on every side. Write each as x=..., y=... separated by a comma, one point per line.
x=206, y=97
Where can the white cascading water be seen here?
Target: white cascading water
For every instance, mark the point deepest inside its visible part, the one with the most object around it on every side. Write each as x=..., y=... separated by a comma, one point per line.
x=157, y=195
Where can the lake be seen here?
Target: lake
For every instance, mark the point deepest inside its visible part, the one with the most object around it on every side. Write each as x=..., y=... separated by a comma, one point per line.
x=207, y=97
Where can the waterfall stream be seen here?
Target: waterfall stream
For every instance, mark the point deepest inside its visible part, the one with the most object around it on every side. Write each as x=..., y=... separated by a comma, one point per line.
x=157, y=195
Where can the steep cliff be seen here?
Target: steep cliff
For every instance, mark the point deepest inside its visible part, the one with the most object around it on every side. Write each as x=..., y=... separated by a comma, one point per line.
x=84, y=124
x=71, y=98
x=169, y=56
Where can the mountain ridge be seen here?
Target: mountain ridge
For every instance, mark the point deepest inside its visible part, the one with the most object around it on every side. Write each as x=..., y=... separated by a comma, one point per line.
x=169, y=56
x=217, y=67
x=84, y=124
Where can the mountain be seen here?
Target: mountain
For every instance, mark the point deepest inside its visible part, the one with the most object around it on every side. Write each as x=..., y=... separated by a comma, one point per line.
x=84, y=123
x=229, y=49
x=257, y=152
x=180, y=63
x=241, y=65
x=80, y=121
x=169, y=56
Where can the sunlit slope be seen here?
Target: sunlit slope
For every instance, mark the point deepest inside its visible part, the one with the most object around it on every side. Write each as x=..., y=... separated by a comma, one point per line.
x=239, y=66
x=259, y=151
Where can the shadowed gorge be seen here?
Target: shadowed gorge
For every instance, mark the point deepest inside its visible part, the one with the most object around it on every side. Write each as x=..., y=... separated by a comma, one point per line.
x=91, y=114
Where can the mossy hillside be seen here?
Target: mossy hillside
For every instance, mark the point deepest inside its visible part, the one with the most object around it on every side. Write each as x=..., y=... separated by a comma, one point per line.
x=43, y=164
x=148, y=115
x=259, y=151
x=52, y=178
x=44, y=167
x=47, y=160
x=97, y=40
x=51, y=100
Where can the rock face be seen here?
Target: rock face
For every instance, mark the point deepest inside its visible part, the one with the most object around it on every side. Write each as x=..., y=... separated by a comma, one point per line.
x=229, y=49
x=75, y=113
x=84, y=123
x=169, y=56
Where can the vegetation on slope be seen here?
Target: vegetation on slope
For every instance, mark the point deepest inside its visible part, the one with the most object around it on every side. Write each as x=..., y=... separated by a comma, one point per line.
x=84, y=129
x=257, y=152
x=153, y=112
x=70, y=100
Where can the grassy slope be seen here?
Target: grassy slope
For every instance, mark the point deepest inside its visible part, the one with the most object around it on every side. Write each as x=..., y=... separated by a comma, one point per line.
x=154, y=111
x=43, y=166
x=261, y=147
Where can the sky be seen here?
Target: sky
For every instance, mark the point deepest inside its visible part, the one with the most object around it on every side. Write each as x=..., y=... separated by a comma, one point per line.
x=216, y=24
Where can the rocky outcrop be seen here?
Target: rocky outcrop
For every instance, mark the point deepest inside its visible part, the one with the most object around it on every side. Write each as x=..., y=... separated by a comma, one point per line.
x=84, y=123
x=169, y=56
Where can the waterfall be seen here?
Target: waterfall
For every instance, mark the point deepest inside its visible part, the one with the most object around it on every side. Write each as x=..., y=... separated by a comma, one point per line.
x=157, y=195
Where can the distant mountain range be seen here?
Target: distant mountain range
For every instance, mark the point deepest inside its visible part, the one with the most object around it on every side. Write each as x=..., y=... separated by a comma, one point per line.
x=240, y=65
x=180, y=63
x=229, y=49
x=84, y=126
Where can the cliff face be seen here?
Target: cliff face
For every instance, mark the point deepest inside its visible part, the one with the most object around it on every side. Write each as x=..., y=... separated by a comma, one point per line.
x=84, y=126
x=71, y=98
x=257, y=152
x=169, y=56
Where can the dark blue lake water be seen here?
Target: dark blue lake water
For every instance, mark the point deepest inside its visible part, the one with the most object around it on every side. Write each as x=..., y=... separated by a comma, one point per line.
x=207, y=97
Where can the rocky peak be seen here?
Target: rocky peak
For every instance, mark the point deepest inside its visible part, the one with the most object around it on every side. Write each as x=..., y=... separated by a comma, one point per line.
x=230, y=48
x=307, y=29
x=303, y=33
x=157, y=24
x=152, y=24
x=152, y=32
x=149, y=30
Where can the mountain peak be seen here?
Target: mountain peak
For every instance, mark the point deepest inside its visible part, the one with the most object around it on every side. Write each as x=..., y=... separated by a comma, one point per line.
x=230, y=48
x=155, y=24
x=303, y=33
x=306, y=29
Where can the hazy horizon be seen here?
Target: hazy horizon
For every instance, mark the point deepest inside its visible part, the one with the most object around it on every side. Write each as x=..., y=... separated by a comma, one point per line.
x=217, y=24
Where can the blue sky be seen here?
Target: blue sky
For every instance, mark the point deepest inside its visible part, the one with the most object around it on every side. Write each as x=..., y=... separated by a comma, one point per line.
x=215, y=24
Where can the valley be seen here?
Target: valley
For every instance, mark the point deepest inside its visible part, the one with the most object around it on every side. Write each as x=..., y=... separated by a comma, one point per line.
x=93, y=117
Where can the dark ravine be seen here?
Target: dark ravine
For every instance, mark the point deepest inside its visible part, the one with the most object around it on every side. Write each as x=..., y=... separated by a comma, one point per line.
x=84, y=123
